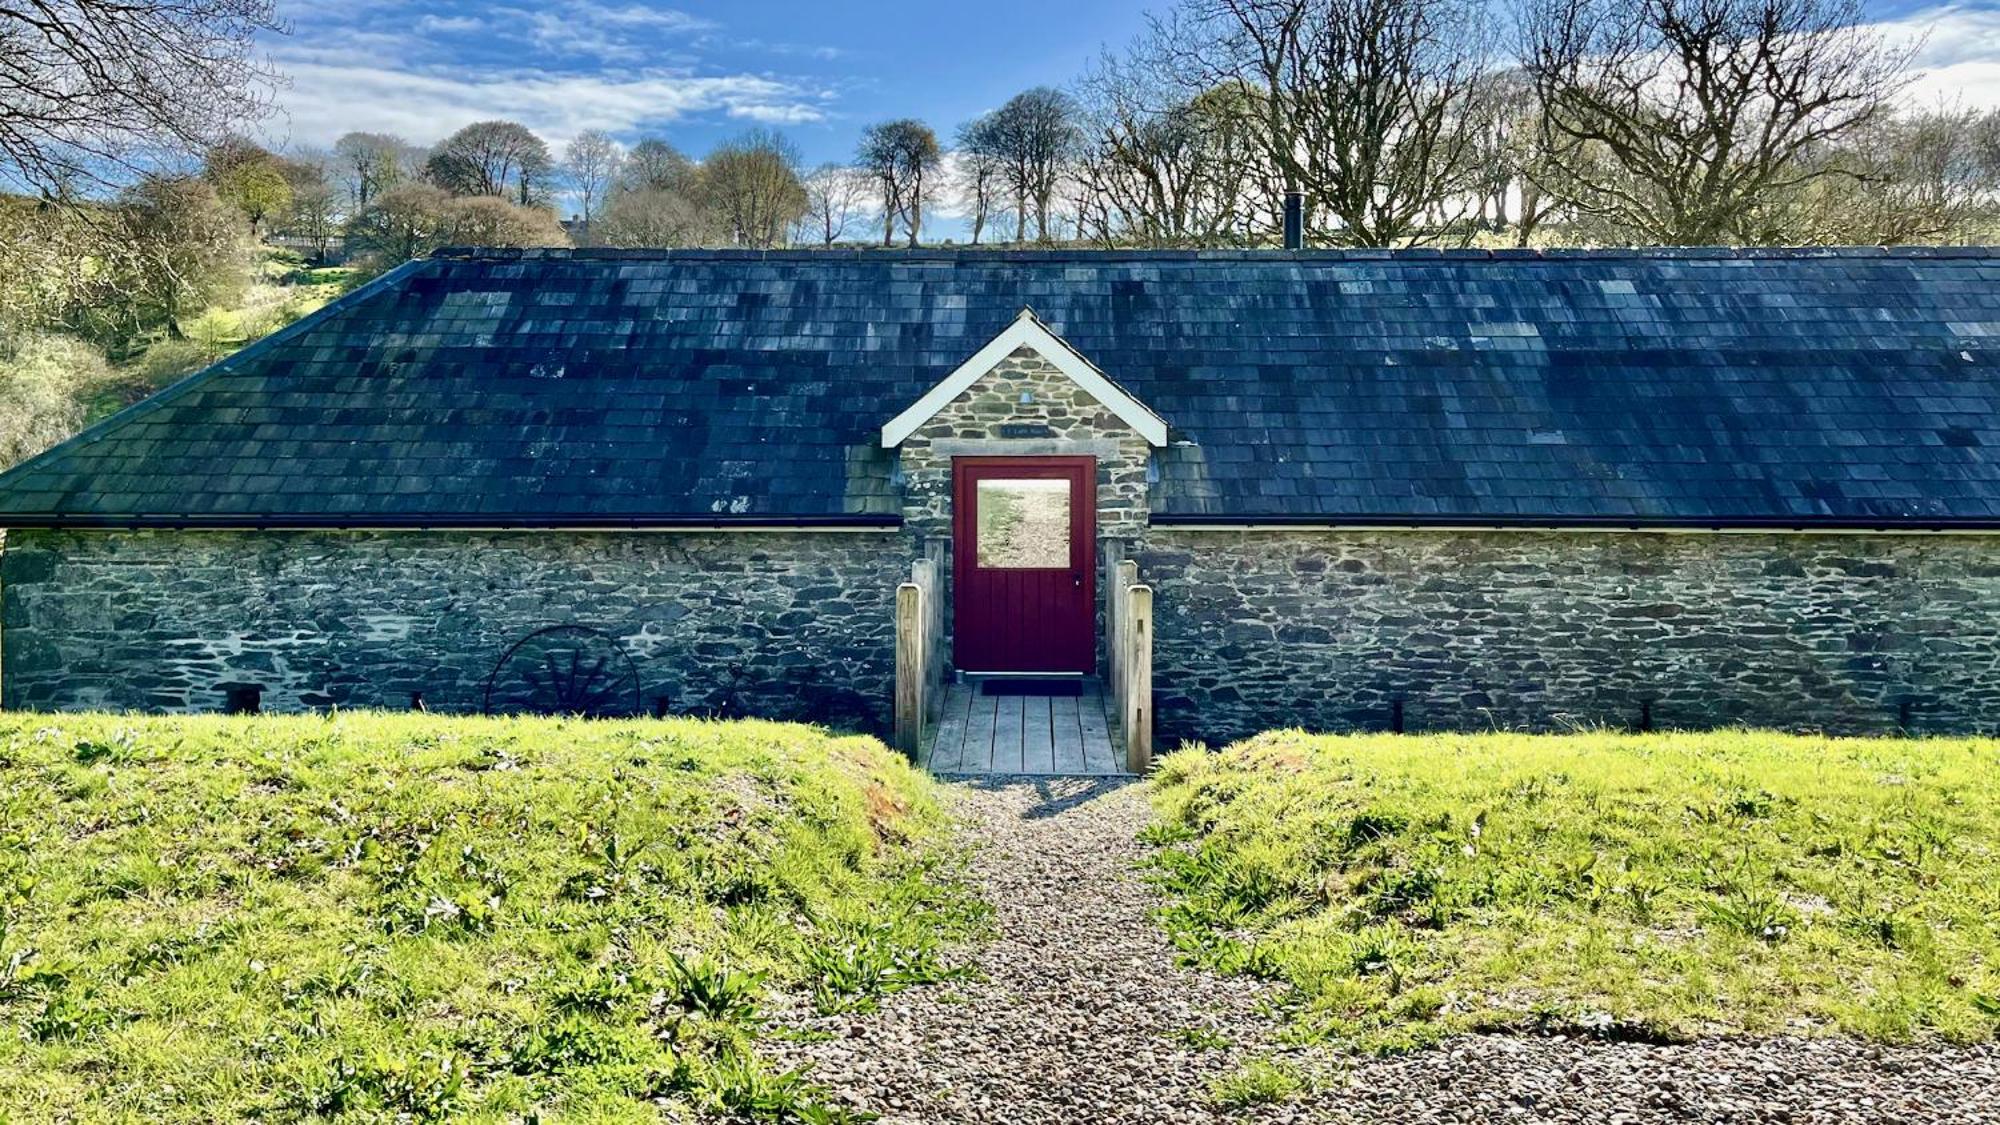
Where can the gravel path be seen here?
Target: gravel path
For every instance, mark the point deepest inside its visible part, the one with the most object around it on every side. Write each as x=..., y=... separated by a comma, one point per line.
x=1080, y=1015
x=1078, y=1000
x=1765, y=1082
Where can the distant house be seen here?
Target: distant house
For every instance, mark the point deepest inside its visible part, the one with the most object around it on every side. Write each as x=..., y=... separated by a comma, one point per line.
x=1369, y=489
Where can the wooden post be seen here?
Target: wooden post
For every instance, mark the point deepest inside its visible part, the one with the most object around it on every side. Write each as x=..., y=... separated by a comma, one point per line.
x=925, y=574
x=1138, y=718
x=1114, y=553
x=934, y=550
x=1128, y=577
x=909, y=669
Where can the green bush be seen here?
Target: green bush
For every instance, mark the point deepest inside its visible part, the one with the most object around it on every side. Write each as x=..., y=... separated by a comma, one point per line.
x=43, y=379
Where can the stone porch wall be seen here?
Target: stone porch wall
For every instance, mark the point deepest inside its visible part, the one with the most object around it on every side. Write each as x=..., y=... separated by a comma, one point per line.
x=1025, y=407
x=171, y=620
x=1546, y=631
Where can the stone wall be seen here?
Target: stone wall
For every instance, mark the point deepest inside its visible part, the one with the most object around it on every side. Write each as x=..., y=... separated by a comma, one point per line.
x=1544, y=631
x=782, y=624
x=1025, y=407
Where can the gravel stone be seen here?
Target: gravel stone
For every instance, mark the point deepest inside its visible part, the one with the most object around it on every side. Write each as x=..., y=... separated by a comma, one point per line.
x=1075, y=1011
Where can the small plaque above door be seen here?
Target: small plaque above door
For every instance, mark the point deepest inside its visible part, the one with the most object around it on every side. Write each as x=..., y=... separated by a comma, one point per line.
x=1025, y=430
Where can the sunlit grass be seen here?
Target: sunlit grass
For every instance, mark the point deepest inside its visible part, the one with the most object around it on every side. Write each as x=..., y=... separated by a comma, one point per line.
x=368, y=915
x=1649, y=886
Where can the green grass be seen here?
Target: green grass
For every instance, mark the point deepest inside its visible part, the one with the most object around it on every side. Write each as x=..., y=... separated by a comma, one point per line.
x=1654, y=887
x=368, y=915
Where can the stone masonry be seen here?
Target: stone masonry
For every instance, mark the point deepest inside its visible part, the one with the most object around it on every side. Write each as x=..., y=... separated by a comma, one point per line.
x=1435, y=630
x=777, y=624
x=1025, y=407
x=1551, y=631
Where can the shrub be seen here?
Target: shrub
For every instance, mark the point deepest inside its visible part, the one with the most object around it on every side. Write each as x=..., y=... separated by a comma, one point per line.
x=42, y=382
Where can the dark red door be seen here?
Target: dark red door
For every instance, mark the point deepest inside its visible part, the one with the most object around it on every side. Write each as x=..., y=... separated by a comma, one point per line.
x=1024, y=588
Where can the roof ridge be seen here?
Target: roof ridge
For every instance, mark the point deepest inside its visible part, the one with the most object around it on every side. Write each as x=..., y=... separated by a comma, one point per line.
x=1415, y=254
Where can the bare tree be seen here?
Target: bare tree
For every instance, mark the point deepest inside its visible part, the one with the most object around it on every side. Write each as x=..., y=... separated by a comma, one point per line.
x=412, y=219
x=315, y=215
x=653, y=218
x=980, y=170
x=371, y=163
x=590, y=164
x=1918, y=177
x=655, y=164
x=654, y=201
x=402, y=222
x=1366, y=106
x=1685, y=122
x=1510, y=162
x=181, y=247
x=833, y=200
x=901, y=156
x=485, y=220
x=500, y=158
x=1033, y=138
x=1160, y=169
x=92, y=88
x=751, y=184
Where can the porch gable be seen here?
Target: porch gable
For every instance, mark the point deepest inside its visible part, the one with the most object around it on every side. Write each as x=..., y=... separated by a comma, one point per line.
x=1030, y=333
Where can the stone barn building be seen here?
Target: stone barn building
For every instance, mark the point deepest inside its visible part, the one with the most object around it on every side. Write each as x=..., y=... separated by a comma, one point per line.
x=1434, y=490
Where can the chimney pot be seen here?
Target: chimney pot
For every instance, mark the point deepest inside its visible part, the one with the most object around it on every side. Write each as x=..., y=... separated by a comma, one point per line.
x=1295, y=220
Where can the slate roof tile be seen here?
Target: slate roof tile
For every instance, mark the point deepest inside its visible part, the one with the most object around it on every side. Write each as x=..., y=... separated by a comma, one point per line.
x=1688, y=385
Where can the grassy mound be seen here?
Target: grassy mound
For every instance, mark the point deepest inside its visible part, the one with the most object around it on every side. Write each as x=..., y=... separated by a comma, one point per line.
x=374, y=915
x=1641, y=886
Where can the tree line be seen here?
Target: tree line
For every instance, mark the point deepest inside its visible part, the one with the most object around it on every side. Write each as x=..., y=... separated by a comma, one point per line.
x=1444, y=122
x=1400, y=122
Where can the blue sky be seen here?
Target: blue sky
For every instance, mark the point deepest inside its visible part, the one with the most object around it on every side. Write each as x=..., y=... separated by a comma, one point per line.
x=699, y=71
x=693, y=72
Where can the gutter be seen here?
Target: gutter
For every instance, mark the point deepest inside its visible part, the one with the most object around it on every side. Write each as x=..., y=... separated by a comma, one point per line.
x=55, y=522
x=1890, y=525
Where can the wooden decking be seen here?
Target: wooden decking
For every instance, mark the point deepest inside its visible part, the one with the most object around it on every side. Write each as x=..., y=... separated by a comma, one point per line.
x=1056, y=736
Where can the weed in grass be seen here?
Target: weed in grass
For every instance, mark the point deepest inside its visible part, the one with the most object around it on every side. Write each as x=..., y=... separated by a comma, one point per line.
x=1373, y=827
x=741, y=1085
x=572, y=1042
x=706, y=989
x=1257, y=1082
x=116, y=748
x=427, y=1087
x=66, y=1017
x=852, y=964
x=1752, y=912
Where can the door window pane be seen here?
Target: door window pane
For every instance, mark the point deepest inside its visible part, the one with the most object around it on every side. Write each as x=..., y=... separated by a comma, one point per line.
x=1023, y=524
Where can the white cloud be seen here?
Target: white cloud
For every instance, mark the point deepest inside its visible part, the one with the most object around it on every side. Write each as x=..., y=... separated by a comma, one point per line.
x=449, y=24
x=567, y=66
x=328, y=97
x=796, y=113
x=1957, y=58
x=608, y=32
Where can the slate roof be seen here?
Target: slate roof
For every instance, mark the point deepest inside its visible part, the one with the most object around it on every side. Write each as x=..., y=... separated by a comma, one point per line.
x=600, y=388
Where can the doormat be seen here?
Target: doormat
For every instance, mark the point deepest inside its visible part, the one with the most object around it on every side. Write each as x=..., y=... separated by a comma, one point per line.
x=1030, y=687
